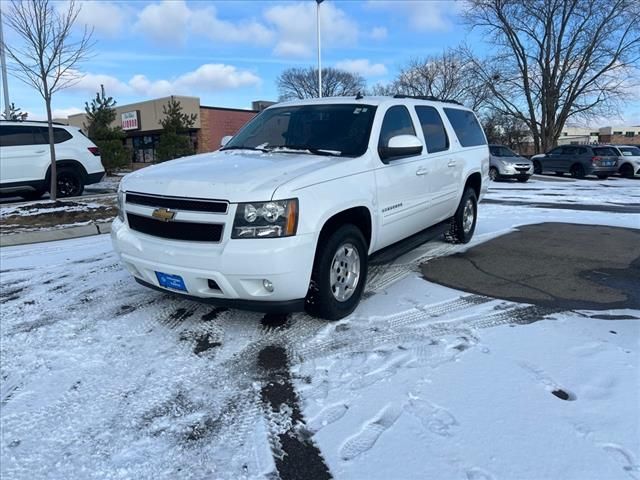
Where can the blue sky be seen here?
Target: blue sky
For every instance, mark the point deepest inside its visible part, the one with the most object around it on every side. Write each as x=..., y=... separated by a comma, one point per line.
x=230, y=53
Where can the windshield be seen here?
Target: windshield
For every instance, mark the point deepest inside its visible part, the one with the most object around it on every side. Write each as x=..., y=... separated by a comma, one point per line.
x=502, y=152
x=338, y=129
x=630, y=151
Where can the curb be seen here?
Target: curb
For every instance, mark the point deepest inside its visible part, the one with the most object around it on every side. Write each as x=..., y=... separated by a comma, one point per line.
x=26, y=238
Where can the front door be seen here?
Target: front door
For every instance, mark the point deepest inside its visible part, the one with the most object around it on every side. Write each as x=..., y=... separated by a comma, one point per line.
x=403, y=198
x=21, y=154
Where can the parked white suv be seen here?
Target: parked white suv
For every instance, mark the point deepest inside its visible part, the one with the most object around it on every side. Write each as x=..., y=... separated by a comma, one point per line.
x=286, y=214
x=25, y=161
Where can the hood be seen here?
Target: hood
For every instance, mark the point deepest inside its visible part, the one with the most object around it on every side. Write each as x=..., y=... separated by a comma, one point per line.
x=514, y=159
x=233, y=175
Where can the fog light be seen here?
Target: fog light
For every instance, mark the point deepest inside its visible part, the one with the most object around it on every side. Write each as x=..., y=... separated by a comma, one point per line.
x=268, y=286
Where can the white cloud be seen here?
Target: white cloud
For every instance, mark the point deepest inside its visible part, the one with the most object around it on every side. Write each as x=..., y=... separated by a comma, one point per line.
x=65, y=112
x=295, y=26
x=210, y=77
x=166, y=22
x=107, y=18
x=378, y=33
x=434, y=15
x=363, y=67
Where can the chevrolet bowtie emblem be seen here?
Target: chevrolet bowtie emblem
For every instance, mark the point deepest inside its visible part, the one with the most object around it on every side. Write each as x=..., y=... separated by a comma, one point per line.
x=163, y=214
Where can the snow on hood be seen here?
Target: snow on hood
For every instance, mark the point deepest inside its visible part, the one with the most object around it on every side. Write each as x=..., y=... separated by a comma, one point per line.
x=227, y=175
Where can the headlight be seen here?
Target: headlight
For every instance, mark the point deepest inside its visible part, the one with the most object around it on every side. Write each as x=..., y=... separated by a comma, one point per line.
x=266, y=219
x=121, y=205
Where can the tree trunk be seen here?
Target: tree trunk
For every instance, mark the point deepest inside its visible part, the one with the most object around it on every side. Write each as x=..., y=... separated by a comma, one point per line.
x=52, y=150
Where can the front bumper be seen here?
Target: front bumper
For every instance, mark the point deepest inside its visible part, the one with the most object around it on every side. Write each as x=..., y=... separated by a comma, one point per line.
x=510, y=170
x=238, y=267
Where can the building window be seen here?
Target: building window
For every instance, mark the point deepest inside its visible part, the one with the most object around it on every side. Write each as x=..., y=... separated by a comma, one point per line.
x=617, y=133
x=594, y=134
x=629, y=134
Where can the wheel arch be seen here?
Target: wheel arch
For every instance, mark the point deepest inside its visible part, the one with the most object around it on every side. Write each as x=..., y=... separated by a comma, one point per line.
x=70, y=163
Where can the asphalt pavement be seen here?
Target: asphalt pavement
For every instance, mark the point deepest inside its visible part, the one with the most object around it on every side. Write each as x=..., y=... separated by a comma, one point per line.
x=556, y=265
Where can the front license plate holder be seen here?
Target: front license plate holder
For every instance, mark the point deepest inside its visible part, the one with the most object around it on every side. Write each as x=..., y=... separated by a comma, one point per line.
x=174, y=282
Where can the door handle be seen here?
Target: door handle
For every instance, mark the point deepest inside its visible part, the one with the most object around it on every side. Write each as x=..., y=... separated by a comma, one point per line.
x=421, y=171
x=452, y=163
x=40, y=151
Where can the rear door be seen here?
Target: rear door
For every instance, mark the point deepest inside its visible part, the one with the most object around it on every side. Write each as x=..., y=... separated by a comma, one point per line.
x=23, y=153
x=443, y=172
x=401, y=186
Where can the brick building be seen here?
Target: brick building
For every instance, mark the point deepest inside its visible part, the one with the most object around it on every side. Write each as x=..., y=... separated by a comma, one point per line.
x=623, y=135
x=141, y=123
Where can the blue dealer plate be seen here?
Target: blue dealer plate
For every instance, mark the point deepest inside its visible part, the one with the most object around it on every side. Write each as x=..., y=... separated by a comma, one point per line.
x=174, y=282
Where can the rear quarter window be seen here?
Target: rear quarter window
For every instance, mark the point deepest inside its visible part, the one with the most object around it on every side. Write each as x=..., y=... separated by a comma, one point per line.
x=466, y=126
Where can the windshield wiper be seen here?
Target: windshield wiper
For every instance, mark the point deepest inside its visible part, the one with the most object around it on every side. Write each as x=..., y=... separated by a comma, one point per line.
x=241, y=147
x=305, y=149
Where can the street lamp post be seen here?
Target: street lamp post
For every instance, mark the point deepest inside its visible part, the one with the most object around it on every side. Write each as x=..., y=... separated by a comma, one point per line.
x=3, y=65
x=318, y=2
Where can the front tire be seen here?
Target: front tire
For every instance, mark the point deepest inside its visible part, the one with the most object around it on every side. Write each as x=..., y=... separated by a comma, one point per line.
x=463, y=223
x=537, y=167
x=339, y=274
x=493, y=174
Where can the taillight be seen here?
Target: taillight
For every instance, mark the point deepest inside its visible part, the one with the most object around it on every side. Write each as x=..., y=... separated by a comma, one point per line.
x=95, y=151
x=595, y=159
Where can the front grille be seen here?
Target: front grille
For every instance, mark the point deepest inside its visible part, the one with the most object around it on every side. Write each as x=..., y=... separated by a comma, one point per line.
x=177, y=203
x=190, y=231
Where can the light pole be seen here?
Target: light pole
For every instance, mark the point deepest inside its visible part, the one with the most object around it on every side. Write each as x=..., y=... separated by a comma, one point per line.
x=3, y=65
x=318, y=2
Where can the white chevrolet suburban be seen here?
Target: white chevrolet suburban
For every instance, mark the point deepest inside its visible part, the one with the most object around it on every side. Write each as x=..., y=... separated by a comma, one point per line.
x=25, y=159
x=286, y=214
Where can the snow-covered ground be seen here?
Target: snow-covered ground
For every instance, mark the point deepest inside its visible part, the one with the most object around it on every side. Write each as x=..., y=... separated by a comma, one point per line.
x=102, y=378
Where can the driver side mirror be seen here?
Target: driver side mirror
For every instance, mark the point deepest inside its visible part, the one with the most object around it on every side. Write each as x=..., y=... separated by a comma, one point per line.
x=400, y=146
x=225, y=140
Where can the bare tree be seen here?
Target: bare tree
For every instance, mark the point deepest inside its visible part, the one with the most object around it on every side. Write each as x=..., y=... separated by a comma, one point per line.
x=303, y=83
x=557, y=60
x=49, y=55
x=449, y=76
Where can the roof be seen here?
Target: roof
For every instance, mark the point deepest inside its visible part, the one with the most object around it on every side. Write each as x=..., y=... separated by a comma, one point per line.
x=32, y=123
x=369, y=100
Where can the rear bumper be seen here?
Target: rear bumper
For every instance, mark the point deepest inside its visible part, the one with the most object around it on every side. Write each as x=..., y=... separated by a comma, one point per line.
x=94, y=178
x=594, y=170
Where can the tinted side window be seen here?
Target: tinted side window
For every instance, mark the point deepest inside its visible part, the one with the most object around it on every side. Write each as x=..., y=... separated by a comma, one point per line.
x=466, y=126
x=434, y=132
x=568, y=150
x=555, y=151
x=605, y=152
x=61, y=135
x=397, y=121
x=16, y=135
x=41, y=135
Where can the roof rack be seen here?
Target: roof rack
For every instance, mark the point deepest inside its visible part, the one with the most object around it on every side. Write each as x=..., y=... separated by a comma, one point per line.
x=426, y=97
x=35, y=121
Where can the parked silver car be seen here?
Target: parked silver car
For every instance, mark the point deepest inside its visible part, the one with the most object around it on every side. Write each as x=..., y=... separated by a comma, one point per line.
x=505, y=163
x=629, y=161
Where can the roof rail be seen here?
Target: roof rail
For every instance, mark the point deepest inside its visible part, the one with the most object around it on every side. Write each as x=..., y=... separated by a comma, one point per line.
x=35, y=121
x=426, y=97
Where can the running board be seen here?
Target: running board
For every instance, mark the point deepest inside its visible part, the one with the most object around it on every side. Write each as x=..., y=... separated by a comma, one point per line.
x=396, y=250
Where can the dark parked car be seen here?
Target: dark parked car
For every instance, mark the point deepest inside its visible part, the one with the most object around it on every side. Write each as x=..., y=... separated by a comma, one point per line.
x=578, y=160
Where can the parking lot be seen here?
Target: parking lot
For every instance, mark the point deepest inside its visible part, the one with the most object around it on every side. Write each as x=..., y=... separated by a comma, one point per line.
x=437, y=374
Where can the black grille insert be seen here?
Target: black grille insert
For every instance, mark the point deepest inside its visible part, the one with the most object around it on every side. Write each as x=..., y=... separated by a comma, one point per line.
x=178, y=203
x=190, y=231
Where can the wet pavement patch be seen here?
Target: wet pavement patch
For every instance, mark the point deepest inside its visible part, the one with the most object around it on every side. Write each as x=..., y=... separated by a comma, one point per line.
x=554, y=265
x=274, y=320
x=294, y=453
x=204, y=342
x=563, y=395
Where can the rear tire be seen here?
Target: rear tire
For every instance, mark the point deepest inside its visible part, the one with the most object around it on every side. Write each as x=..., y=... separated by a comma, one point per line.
x=493, y=174
x=69, y=182
x=463, y=222
x=577, y=171
x=626, y=170
x=339, y=274
x=537, y=167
